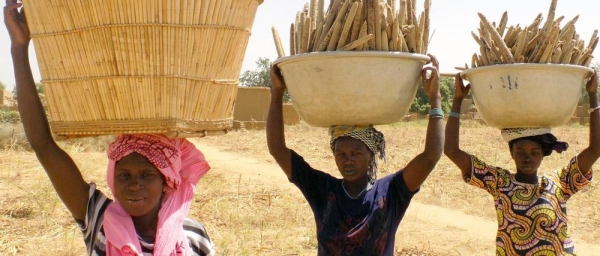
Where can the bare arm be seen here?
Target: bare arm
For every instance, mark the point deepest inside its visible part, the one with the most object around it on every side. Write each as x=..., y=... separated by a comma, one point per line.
x=417, y=170
x=61, y=169
x=451, y=147
x=588, y=156
x=275, y=129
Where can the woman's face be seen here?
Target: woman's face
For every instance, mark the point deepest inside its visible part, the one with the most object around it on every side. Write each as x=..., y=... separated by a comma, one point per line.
x=528, y=156
x=352, y=158
x=138, y=185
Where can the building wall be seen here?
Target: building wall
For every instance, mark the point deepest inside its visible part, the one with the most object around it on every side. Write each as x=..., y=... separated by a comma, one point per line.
x=466, y=105
x=252, y=107
x=252, y=104
x=6, y=99
x=290, y=116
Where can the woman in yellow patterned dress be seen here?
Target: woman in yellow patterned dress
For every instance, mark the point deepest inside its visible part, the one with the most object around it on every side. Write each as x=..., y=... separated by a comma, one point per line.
x=532, y=216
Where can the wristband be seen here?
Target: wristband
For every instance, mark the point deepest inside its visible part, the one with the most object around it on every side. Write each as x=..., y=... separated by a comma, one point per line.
x=593, y=109
x=454, y=114
x=436, y=112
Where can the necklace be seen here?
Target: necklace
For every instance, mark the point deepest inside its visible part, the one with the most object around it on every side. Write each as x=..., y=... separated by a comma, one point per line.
x=344, y=187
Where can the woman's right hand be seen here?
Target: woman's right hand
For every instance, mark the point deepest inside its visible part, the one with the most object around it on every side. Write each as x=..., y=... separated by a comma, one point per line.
x=592, y=84
x=277, y=80
x=461, y=91
x=16, y=24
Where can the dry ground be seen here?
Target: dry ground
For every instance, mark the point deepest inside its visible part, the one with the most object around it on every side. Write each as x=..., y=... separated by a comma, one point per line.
x=250, y=209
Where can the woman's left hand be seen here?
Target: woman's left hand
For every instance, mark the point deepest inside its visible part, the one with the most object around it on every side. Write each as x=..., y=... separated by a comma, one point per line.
x=431, y=81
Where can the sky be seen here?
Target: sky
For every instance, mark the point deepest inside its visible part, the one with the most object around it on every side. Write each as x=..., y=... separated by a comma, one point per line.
x=451, y=24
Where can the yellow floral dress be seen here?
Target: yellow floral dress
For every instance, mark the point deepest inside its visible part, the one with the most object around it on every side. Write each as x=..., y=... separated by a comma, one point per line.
x=532, y=218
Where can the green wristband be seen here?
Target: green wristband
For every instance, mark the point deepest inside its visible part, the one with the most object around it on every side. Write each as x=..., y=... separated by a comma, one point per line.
x=454, y=114
x=436, y=112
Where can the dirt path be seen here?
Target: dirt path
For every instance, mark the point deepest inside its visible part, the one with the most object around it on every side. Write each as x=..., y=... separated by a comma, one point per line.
x=421, y=220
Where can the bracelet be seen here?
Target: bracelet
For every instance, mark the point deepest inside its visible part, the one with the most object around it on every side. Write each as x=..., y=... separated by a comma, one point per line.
x=436, y=112
x=454, y=114
x=593, y=109
x=436, y=116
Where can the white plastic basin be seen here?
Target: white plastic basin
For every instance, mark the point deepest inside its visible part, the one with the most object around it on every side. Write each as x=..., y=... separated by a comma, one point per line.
x=526, y=95
x=352, y=88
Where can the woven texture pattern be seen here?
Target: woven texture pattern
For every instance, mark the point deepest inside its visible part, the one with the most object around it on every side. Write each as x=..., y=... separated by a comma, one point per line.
x=144, y=66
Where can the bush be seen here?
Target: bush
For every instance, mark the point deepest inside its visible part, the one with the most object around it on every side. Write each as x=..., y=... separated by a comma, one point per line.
x=9, y=116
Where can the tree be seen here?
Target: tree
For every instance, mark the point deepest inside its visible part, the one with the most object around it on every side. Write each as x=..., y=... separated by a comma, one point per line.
x=39, y=87
x=2, y=86
x=260, y=77
x=421, y=102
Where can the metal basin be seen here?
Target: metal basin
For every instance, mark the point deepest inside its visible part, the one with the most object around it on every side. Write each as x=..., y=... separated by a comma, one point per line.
x=352, y=88
x=527, y=95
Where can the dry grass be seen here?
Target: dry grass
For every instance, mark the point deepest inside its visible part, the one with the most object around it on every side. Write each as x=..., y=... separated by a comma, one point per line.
x=444, y=187
x=250, y=217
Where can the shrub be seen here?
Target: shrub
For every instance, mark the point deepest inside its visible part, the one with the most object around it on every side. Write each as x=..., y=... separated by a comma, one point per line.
x=9, y=116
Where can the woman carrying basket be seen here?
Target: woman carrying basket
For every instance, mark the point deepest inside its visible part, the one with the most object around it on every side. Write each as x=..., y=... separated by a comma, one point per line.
x=532, y=214
x=358, y=214
x=151, y=177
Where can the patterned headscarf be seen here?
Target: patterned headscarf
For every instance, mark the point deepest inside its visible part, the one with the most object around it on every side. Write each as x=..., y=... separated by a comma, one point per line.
x=182, y=165
x=373, y=138
x=541, y=136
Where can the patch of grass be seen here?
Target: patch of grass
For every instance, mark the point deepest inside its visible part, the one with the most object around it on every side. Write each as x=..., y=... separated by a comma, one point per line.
x=247, y=219
x=12, y=137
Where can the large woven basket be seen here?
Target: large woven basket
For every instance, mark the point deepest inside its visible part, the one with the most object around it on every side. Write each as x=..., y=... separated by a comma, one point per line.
x=143, y=66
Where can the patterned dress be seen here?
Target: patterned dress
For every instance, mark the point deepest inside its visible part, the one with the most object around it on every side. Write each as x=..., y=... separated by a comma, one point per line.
x=532, y=218
x=366, y=225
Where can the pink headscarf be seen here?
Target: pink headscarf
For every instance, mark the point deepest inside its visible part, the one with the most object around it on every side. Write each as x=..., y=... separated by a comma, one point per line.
x=182, y=165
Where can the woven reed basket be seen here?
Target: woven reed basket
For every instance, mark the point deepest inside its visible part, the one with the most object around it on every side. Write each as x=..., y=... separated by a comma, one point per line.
x=144, y=66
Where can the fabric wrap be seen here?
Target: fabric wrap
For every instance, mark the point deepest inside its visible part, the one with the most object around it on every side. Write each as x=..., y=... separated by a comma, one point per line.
x=182, y=165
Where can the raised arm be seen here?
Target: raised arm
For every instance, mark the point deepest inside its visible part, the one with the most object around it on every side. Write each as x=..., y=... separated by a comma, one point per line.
x=588, y=156
x=275, y=130
x=61, y=169
x=417, y=170
x=451, y=147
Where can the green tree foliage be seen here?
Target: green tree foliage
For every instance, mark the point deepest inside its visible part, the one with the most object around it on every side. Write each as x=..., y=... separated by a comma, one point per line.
x=260, y=77
x=2, y=86
x=39, y=87
x=421, y=102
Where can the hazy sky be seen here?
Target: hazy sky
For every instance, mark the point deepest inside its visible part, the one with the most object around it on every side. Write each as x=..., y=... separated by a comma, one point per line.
x=451, y=23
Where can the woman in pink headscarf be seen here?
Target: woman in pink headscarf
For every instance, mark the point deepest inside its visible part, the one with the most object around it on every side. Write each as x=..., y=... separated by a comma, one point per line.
x=152, y=177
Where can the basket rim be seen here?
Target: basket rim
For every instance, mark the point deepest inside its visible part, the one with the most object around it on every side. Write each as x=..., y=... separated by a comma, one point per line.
x=351, y=54
x=465, y=74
